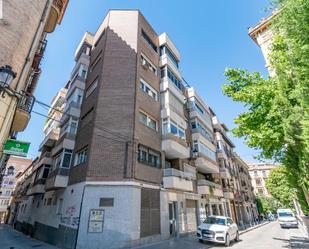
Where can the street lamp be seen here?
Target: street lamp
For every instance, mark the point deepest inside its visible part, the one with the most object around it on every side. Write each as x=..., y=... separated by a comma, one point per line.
x=6, y=77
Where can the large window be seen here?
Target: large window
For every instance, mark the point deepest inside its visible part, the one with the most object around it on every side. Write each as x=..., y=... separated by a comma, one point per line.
x=147, y=120
x=172, y=127
x=81, y=156
x=202, y=148
x=149, y=156
x=149, y=41
x=165, y=50
x=147, y=64
x=166, y=71
x=63, y=159
x=197, y=125
x=145, y=87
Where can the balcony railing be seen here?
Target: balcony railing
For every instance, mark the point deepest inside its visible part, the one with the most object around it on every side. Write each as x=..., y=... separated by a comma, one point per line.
x=26, y=102
x=204, y=182
x=178, y=173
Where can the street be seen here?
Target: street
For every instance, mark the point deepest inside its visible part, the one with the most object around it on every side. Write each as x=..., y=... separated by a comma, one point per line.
x=12, y=239
x=269, y=236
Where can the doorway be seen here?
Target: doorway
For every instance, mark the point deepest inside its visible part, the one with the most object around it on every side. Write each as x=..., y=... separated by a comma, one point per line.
x=172, y=217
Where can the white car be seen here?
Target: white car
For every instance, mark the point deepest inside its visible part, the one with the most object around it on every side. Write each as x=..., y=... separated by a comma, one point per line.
x=286, y=218
x=218, y=229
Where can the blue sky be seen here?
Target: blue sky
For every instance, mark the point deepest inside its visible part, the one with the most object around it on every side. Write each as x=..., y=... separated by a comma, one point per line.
x=211, y=35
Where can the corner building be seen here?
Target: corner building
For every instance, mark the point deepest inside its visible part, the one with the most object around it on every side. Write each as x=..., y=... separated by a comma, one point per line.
x=143, y=165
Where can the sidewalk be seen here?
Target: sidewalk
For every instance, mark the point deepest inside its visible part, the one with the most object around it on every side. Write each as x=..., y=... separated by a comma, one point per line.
x=12, y=239
x=247, y=228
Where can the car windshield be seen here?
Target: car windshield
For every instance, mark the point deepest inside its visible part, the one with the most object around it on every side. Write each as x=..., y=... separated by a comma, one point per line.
x=215, y=220
x=285, y=214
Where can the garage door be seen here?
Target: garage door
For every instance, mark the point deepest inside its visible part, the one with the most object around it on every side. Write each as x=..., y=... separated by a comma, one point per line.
x=191, y=215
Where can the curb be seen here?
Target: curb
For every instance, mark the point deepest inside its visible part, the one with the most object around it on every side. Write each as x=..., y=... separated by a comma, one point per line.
x=252, y=228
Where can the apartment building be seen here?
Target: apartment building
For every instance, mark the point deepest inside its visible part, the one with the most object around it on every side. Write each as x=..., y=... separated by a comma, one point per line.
x=259, y=173
x=244, y=197
x=22, y=49
x=143, y=164
x=16, y=166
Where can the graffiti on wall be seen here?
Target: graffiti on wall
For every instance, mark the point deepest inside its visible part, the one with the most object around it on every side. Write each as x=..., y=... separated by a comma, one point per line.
x=70, y=217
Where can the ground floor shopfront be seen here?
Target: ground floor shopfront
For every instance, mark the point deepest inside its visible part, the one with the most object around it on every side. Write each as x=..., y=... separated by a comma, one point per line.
x=114, y=214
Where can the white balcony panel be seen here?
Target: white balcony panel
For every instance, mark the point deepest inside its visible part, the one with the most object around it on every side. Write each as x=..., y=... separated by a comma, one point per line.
x=175, y=149
x=165, y=60
x=198, y=136
x=194, y=113
x=204, y=188
x=169, y=113
x=167, y=84
x=36, y=189
x=206, y=166
x=175, y=182
x=225, y=173
x=228, y=195
x=50, y=138
x=164, y=39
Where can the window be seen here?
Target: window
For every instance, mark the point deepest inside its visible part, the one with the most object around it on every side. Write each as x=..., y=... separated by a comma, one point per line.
x=49, y=201
x=264, y=173
x=260, y=191
x=147, y=64
x=255, y=173
x=81, y=156
x=165, y=50
x=149, y=156
x=145, y=87
x=197, y=125
x=173, y=128
x=258, y=182
x=63, y=159
x=45, y=171
x=148, y=121
x=60, y=204
x=149, y=41
x=173, y=78
x=92, y=87
x=73, y=127
x=199, y=108
x=202, y=148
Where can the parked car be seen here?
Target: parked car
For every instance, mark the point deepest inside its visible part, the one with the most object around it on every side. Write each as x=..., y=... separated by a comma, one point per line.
x=287, y=218
x=218, y=229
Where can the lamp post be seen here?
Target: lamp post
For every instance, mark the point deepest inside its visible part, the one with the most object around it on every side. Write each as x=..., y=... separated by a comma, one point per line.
x=6, y=77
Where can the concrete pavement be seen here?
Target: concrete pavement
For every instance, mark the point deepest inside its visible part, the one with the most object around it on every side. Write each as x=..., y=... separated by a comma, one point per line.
x=12, y=239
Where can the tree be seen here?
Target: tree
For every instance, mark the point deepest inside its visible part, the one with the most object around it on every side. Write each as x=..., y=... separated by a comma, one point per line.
x=277, y=117
x=280, y=188
x=267, y=204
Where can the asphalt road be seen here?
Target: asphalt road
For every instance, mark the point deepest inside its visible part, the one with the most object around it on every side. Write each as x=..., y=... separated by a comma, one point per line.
x=269, y=236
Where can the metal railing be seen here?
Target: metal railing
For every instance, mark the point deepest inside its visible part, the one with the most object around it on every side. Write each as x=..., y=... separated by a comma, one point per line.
x=26, y=102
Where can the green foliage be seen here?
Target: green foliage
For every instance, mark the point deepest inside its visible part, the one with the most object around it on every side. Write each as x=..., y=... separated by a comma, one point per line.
x=277, y=117
x=267, y=204
x=280, y=188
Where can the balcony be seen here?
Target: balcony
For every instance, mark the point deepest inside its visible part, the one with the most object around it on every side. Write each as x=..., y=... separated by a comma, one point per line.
x=228, y=193
x=38, y=187
x=165, y=60
x=206, y=187
x=176, y=179
x=71, y=109
x=225, y=173
x=175, y=147
x=50, y=139
x=66, y=141
x=55, y=15
x=57, y=179
x=22, y=113
x=167, y=84
x=205, y=165
x=221, y=154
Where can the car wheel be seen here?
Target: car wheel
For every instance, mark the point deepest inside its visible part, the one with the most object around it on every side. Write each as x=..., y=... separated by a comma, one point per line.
x=237, y=236
x=227, y=240
x=200, y=240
